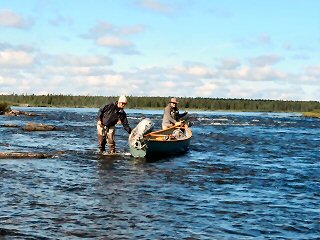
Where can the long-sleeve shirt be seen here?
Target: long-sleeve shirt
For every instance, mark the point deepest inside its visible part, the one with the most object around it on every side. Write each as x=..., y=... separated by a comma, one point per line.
x=171, y=116
x=110, y=114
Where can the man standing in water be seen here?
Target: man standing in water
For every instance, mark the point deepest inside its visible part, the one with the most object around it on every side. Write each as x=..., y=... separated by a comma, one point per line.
x=171, y=115
x=108, y=117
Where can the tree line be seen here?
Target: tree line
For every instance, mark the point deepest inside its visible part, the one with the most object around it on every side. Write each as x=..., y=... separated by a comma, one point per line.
x=199, y=103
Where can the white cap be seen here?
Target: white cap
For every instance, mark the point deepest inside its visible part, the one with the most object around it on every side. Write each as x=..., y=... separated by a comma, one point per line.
x=122, y=99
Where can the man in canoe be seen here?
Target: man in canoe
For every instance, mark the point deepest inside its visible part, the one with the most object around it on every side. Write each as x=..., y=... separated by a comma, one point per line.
x=171, y=115
x=108, y=117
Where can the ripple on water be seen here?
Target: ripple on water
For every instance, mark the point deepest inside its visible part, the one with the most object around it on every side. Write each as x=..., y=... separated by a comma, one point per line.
x=246, y=176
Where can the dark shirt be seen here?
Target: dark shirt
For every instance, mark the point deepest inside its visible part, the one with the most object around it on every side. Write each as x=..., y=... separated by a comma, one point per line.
x=176, y=115
x=110, y=114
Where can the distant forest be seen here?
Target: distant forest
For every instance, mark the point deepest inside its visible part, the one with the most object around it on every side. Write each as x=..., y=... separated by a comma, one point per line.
x=210, y=104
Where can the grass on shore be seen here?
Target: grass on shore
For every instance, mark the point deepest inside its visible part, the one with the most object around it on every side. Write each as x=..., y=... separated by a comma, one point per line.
x=4, y=107
x=314, y=114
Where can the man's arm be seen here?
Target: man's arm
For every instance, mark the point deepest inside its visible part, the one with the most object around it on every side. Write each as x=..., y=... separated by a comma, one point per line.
x=125, y=122
x=167, y=115
x=100, y=114
x=183, y=114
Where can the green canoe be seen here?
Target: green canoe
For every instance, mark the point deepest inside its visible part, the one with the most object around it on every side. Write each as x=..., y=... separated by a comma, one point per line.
x=171, y=141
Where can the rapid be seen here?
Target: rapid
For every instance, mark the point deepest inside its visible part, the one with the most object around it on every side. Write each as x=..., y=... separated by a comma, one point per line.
x=245, y=176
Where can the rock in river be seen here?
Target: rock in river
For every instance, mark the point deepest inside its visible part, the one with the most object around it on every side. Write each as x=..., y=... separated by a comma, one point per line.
x=31, y=126
x=6, y=155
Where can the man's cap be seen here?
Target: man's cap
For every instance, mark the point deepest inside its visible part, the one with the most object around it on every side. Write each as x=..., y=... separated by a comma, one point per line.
x=122, y=99
x=174, y=100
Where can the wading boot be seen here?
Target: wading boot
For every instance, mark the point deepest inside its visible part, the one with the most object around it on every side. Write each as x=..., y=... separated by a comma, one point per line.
x=112, y=149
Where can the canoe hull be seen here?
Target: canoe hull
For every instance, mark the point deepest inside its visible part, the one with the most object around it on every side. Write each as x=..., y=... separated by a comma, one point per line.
x=155, y=148
x=164, y=142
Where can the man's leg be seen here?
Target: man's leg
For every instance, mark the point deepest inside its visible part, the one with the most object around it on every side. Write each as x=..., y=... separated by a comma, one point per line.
x=102, y=138
x=111, y=142
x=102, y=143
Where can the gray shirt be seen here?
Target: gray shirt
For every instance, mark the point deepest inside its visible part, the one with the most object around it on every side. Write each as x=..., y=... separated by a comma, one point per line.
x=168, y=115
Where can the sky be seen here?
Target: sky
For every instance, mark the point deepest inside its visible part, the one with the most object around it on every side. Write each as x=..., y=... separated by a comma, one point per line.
x=265, y=49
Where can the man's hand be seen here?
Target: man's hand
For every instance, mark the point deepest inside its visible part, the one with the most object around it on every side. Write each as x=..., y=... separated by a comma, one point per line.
x=177, y=124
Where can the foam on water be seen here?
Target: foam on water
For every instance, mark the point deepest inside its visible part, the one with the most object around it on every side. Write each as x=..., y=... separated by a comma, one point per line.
x=253, y=176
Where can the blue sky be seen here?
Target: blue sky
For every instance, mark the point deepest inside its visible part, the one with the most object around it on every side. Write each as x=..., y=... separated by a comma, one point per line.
x=266, y=49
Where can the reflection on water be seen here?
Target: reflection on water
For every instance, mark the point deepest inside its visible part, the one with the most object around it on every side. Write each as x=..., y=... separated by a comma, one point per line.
x=246, y=176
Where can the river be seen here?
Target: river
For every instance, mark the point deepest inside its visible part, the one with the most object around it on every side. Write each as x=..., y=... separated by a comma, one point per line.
x=245, y=176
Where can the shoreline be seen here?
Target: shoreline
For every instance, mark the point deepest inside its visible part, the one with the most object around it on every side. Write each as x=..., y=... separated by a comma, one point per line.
x=161, y=108
x=310, y=114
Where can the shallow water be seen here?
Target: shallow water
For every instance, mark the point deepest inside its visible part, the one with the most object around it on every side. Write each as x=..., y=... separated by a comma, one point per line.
x=246, y=176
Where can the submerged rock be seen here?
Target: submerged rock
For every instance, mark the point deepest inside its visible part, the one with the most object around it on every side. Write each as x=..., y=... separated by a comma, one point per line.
x=17, y=113
x=9, y=125
x=4, y=144
x=5, y=155
x=31, y=126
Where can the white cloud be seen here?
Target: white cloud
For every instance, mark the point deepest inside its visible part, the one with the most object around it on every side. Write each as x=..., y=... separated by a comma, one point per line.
x=81, y=61
x=5, y=81
x=195, y=70
x=60, y=21
x=129, y=30
x=156, y=5
x=206, y=89
x=266, y=73
x=314, y=71
x=70, y=65
x=113, y=37
x=113, y=42
x=104, y=28
x=10, y=58
x=229, y=64
x=249, y=90
x=262, y=40
x=11, y=19
x=168, y=84
x=199, y=71
x=265, y=60
x=25, y=48
x=29, y=72
x=100, y=29
x=105, y=81
x=241, y=91
x=287, y=46
x=242, y=73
